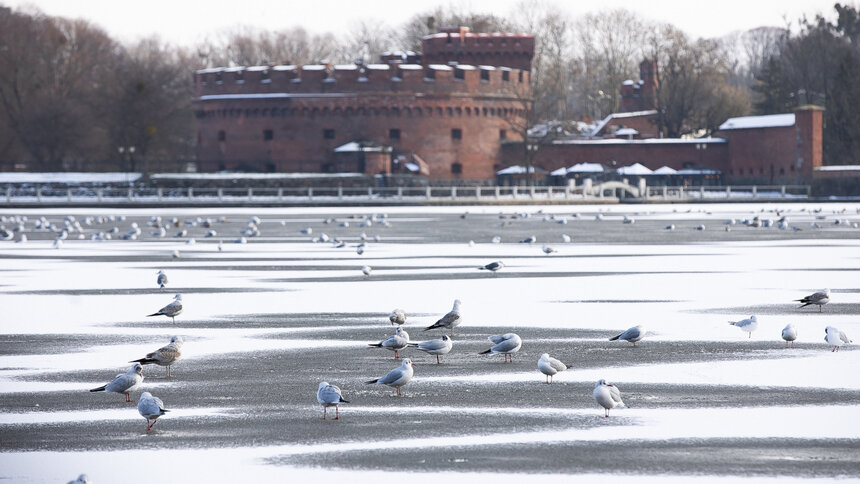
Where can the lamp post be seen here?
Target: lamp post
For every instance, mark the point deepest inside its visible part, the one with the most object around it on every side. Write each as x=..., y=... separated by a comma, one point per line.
x=531, y=152
x=127, y=154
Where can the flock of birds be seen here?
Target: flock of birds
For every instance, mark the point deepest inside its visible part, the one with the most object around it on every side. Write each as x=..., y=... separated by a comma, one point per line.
x=606, y=395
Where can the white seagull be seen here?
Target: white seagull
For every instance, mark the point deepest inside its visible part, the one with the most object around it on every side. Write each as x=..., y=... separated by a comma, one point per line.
x=634, y=334
x=395, y=342
x=397, y=377
x=165, y=356
x=329, y=396
x=124, y=382
x=820, y=298
x=150, y=408
x=506, y=344
x=161, y=280
x=749, y=325
x=607, y=396
x=366, y=270
x=835, y=337
x=441, y=346
x=171, y=310
x=789, y=334
x=450, y=320
x=398, y=317
x=493, y=266
x=548, y=250
x=549, y=366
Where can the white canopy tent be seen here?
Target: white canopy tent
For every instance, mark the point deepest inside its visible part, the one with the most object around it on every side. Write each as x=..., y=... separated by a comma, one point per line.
x=634, y=169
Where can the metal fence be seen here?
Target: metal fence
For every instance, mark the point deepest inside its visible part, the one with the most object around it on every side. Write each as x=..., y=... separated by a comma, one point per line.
x=415, y=195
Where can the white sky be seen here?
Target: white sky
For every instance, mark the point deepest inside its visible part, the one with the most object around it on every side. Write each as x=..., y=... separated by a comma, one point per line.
x=186, y=22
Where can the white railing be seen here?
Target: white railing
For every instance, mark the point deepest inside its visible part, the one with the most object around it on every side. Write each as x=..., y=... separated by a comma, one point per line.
x=343, y=195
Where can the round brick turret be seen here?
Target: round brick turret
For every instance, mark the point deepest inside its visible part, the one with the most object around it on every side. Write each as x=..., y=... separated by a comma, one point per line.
x=286, y=118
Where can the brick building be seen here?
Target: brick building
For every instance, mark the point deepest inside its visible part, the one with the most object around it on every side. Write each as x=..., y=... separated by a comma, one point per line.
x=452, y=116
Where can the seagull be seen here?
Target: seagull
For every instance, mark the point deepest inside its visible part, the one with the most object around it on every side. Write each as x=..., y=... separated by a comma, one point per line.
x=329, y=396
x=789, y=334
x=632, y=335
x=436, y=347
x=150, y=408
x=607, y=396
x=820, y=298
x=549, y=366
x=506, y=344
x=835, y=337
x=749, y=325
x=161, y=280
x=496, y=239
x=397, y=377
x=450, y=320
x=565, y=238
x=529, y=240
x=366, y=270
x=82, y=479
x=165, y=356
x=124, y=382
x=398, y=316
x=548, y=250
x=395, y=342
x=493, y=266
x=172, y=310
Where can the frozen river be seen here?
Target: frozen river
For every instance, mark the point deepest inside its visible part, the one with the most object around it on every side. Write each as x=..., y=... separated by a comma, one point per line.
x=265, y=321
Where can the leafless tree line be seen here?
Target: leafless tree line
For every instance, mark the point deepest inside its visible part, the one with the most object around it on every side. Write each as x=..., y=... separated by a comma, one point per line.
x=71, y=96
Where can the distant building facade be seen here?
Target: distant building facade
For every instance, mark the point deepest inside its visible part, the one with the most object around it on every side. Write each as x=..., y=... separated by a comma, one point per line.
x=449, y=114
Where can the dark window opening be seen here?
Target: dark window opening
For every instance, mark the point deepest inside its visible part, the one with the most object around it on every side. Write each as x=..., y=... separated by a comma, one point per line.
x=268, y=135
x=506, y=76
x=456, y=168
x=222, y=135
x=459, y=74
x=393, y=134
x=503, y=134
x=521, y=76
x=328, y=134
x=456, y=133
x=782, y=171
x=791, y=167
x=485, y=75
x=761, y=170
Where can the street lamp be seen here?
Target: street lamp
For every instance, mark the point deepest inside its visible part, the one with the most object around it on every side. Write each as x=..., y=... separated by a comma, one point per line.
x=127, y=154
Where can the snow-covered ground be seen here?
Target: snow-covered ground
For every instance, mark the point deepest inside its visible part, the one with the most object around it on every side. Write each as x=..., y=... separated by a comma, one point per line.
x=682, y=289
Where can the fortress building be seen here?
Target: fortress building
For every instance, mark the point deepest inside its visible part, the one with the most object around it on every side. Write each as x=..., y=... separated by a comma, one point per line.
x=445, y=112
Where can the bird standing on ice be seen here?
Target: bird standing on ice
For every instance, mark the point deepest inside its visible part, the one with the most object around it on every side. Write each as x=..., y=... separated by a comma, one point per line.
x=161, y=280
x=150, y=408
x=398, y=317
x=789, y=334
x=366, y=270
x=607, y=396
x=124, y=382
x=634, y=334
x=820, y=298
x=835, y=337
x=493, y=266
x=505, y=344
x=329, y=396
x=450, y=320
x=395, y=342
x=171, y=310
x=438, y=347
x=749, y=325
x=549, y=366
x=167, y=355
x=397, y=377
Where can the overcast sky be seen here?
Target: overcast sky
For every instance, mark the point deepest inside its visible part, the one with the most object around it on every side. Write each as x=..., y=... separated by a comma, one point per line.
x=186, y=22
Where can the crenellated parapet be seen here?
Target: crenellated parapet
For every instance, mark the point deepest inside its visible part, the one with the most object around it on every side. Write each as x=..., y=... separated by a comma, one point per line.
x=464, y=47
x=349, y=78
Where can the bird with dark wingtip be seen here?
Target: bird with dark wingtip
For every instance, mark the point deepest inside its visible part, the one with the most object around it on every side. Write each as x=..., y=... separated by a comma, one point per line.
x=493, y=266
x=330, y=396
x=820, y=298
x=450, y=320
